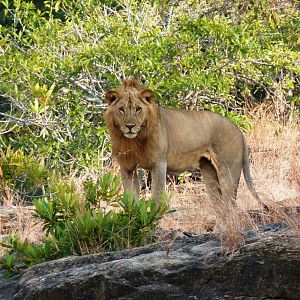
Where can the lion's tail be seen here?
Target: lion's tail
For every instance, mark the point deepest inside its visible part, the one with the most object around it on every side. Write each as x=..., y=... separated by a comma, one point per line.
x=247, y=175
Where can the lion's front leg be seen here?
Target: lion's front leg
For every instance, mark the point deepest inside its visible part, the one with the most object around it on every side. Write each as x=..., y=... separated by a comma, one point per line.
x=130, y=182
x=158, y=175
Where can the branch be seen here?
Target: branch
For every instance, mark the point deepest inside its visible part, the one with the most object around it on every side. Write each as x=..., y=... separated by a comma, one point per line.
x=17, y=120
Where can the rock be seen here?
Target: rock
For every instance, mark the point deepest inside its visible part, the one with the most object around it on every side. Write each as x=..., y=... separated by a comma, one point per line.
x=7, y=286
x=195, y=267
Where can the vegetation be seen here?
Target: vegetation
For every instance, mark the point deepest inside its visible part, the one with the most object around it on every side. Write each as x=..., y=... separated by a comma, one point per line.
x=57, y=59
x=83, y=224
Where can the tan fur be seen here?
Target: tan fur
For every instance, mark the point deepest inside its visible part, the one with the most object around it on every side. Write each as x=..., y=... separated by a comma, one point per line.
x=168, y=140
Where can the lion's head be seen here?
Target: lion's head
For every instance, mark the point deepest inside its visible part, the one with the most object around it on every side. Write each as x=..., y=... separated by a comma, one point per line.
x=129, y=108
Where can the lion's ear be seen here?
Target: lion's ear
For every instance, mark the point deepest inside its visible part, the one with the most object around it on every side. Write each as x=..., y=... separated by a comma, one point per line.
x=111, y=96
x=148, y=95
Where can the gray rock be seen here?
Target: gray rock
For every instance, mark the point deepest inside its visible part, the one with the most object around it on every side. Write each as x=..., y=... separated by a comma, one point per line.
x=197, y=267
x=7, y=286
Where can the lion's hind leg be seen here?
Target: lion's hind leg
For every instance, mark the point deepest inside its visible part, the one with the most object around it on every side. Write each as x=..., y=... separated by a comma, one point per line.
x=211, y=180
x=229, y=177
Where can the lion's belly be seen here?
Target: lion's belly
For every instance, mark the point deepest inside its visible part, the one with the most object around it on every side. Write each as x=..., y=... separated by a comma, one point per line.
x=177, y=163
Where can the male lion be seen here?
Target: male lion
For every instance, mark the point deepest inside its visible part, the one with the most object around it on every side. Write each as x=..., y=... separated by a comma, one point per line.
x=165, y=140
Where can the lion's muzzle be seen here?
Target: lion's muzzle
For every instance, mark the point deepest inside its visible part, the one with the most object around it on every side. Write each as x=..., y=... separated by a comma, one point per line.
x=131, y=131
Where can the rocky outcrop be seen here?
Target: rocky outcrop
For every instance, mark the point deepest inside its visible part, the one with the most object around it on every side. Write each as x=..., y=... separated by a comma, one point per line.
x=266, y=267
x=7, y=286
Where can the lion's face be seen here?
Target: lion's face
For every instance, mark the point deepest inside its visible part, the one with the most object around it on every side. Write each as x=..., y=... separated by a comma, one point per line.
x=130, y=109
x=131, y=116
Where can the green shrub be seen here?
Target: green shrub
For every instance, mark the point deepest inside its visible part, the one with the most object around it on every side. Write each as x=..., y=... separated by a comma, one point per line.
x=100, y=220
x=59, y=57
x=22, y=174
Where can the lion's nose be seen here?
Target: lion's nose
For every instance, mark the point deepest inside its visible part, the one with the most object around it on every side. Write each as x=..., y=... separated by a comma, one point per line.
x=129, y=126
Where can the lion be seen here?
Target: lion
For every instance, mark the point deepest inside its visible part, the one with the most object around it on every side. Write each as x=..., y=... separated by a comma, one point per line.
x=165, y=140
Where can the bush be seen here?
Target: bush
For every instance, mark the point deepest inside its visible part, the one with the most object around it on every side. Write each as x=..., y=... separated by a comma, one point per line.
x=100, y=220
x=59, y=57
x=21, y=174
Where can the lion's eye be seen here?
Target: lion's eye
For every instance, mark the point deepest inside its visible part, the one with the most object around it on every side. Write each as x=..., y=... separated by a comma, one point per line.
x=121, y=110
x=138, y=109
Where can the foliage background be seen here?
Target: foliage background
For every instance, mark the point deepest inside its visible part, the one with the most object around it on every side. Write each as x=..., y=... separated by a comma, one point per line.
x=58, y=57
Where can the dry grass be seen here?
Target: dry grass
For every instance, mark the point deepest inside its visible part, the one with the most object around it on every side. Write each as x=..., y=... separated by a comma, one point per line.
x=17, y=218
x=275, y=160
x=275, y=168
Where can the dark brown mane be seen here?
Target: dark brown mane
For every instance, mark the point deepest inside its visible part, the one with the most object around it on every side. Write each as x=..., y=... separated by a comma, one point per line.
x=131, y=84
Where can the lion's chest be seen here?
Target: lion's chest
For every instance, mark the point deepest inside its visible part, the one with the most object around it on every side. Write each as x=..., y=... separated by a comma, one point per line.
x=131, y=154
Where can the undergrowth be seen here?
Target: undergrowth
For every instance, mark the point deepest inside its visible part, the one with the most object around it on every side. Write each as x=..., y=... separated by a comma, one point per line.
x=100, y=220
